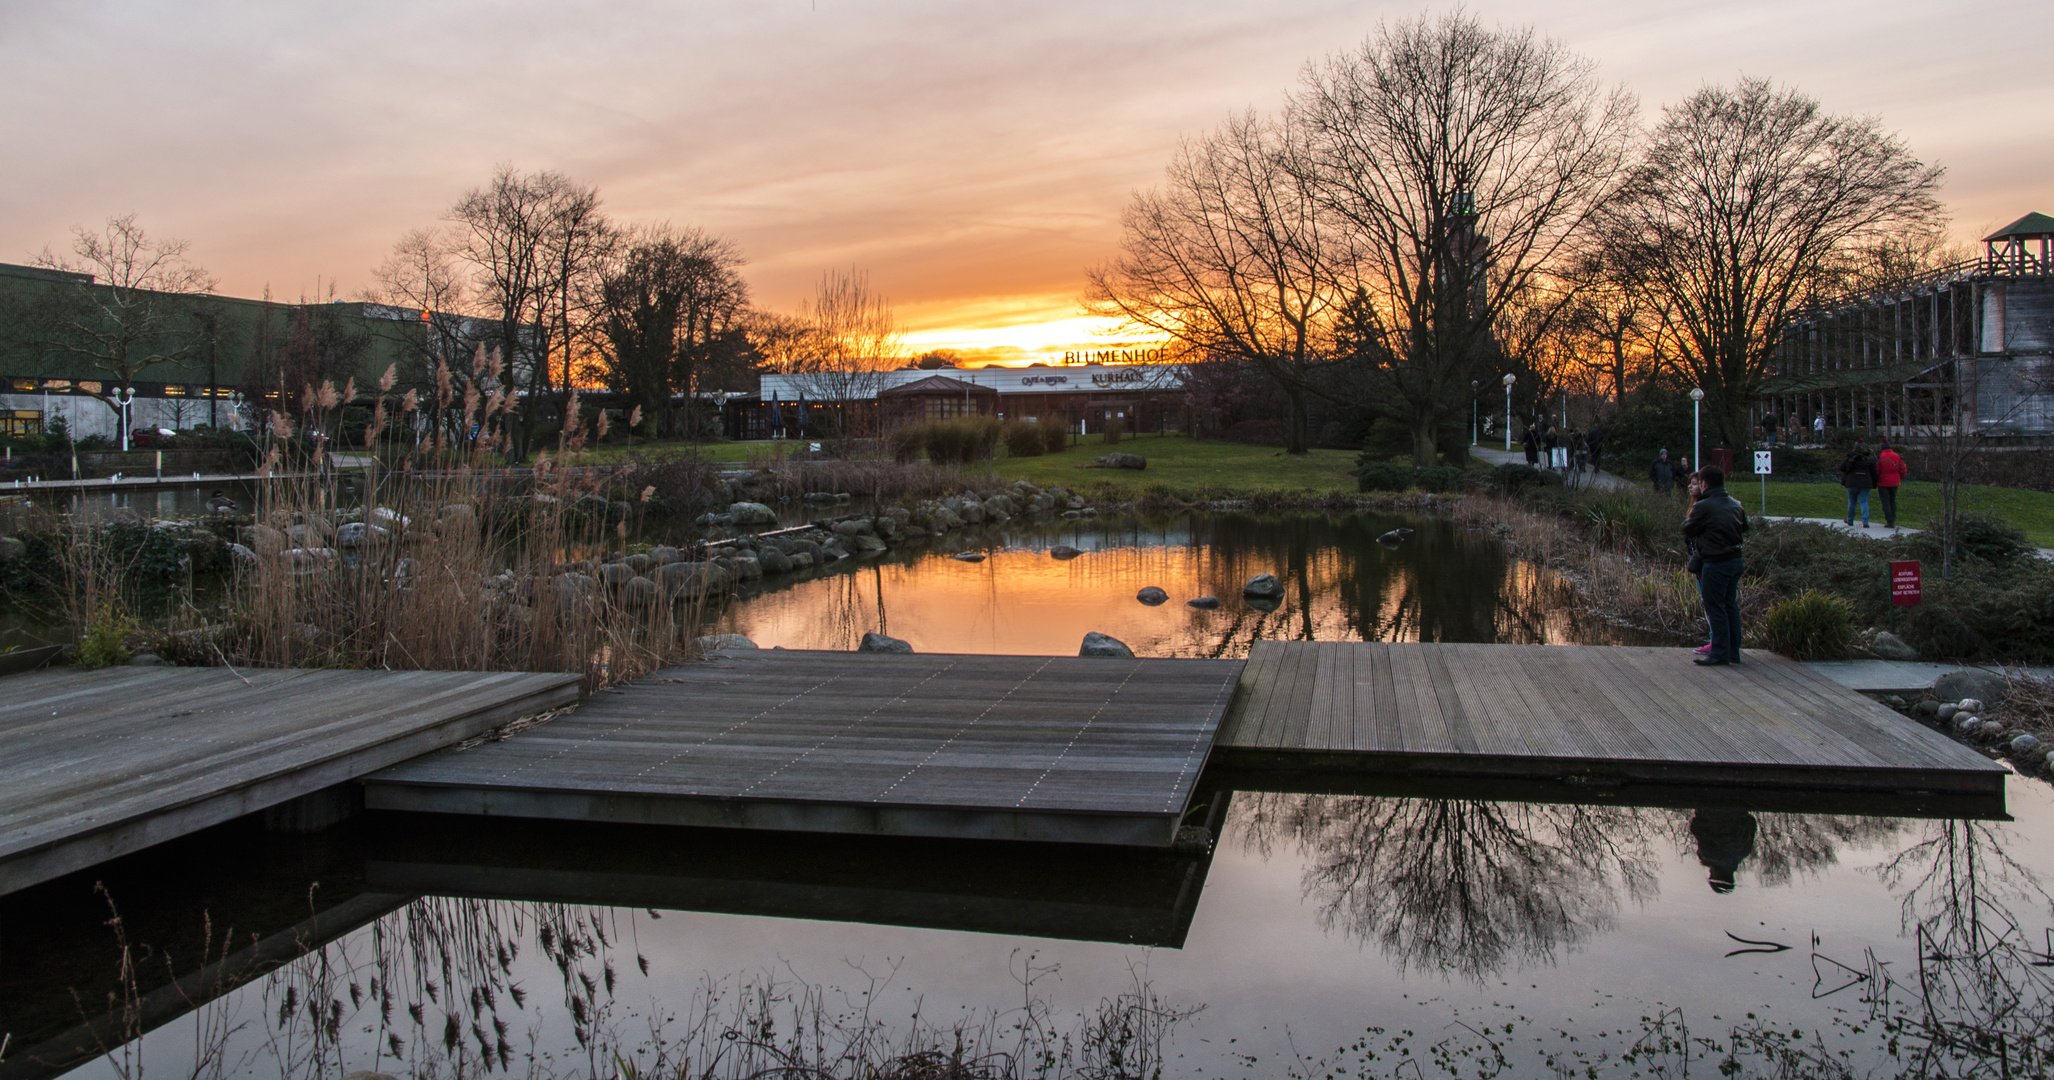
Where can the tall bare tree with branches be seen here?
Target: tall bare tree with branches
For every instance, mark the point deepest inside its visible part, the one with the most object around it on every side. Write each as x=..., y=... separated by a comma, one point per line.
x=838, y=357
x=1231, y=259
x=1465, y=163
x=1748, y=206
x=534, y=242
x=133, y=307
x=666, y=298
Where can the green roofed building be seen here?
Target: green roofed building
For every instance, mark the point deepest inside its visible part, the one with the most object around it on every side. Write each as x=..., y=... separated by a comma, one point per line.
x=71, y=346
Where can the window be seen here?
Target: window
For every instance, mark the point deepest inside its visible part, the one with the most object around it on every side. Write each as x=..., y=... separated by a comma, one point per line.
x=21, y=423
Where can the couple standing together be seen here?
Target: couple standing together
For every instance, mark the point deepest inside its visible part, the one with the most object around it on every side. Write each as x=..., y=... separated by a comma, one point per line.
x=1713, y=529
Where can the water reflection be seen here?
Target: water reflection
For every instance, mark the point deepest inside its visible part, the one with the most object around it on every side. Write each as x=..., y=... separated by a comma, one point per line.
x=1470, y=888
x=1458, y=886
x=1444, y=583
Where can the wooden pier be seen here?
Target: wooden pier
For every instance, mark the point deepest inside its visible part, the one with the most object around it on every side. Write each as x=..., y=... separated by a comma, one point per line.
x=1590, y=715
x=1047, y=748
x=97, y=764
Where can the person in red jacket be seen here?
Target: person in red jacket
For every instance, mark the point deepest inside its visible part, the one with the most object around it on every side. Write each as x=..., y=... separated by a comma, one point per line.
x=1890, y=472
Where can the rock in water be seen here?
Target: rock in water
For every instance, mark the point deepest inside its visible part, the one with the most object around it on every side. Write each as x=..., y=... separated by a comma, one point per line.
x=1206, y=603
x=751, y=513
x=1891, y=647
x=1264, y=587
x=1152, y=596
x=2022, y=745
x=1063, y=551
x=725, y=643
x=1097, y=644
x=1393, y=538
x=967, y=556
x=775, y=561
x=1124, y=461
x=883, y=644
x=1986, y=686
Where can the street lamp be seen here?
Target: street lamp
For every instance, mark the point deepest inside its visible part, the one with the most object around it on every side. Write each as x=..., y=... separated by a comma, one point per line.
x=1697, y=396
x=121, y=406
x=1472, y=411
x=1509, y=380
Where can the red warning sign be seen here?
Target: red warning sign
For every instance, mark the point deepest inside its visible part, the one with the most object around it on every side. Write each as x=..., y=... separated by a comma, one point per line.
x=1904, y=583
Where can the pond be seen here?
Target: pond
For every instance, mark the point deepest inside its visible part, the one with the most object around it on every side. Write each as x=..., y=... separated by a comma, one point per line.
x=1328, y=931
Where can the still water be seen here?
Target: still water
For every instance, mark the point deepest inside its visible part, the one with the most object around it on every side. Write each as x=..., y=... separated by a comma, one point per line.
x=1327, y=932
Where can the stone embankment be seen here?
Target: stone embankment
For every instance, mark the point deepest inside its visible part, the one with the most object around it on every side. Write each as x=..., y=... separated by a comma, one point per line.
x=742, y=544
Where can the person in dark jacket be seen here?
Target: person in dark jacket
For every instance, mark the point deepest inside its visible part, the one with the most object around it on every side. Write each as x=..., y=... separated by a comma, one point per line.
x=1595, y=439
x=1716, y=524
x=1531, y=441
x=1858, y=475
x=1662, y=474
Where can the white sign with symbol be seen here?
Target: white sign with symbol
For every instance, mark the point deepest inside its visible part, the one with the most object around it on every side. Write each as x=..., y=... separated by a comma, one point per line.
x=1761, y=462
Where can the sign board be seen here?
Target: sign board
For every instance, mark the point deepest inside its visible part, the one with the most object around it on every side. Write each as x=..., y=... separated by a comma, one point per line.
x=1904, y=583
x=1761, y=462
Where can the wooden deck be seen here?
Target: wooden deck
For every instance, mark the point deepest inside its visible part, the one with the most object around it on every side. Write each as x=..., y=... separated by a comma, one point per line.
x=1052, y=748
x=97, y=764
x=1593, y=715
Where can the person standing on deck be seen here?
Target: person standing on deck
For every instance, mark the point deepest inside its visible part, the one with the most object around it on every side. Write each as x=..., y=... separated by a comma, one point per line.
x=1713, y=530
x=1662, y=474
x=1858, y=475
x=1890, y=472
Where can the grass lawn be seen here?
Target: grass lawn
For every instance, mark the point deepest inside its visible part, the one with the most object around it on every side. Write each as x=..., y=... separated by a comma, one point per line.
x=2032, y=511
x=1188, y=465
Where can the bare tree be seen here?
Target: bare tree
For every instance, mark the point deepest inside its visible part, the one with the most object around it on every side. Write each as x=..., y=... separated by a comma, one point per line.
x=131, y=308
x=850, y=340
x=1231, y=260
x=423, y=273
x=666, y=299
x=1748, y=206
x=1466, y=164
x=534, y=242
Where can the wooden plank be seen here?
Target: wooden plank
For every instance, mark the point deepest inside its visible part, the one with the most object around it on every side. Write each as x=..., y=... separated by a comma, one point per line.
x=100, y=764
x=1544, y=711
x=1093, y=750
x=1388, y=729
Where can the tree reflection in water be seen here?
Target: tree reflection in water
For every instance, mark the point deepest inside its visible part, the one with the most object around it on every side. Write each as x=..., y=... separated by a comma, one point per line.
x=1460, y=886
x=1468, y=888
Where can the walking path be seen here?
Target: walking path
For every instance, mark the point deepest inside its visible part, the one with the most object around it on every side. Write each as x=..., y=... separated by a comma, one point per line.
x=1596, y=478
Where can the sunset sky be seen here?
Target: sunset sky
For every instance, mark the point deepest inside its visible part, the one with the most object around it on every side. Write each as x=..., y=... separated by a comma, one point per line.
x=974, y=157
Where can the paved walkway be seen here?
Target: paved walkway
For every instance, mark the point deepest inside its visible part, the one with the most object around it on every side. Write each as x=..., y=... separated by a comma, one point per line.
x=1898, y=676
x=1590, y=478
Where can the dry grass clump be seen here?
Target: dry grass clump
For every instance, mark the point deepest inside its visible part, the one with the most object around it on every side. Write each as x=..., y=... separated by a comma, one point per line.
x=455, y=570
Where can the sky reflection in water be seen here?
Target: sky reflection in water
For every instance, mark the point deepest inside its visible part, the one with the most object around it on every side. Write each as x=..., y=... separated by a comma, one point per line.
x=1442, y=583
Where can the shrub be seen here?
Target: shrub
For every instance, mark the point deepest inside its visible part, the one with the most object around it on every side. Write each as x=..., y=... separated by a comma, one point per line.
x=1437, y=478
x=1622, y=523
x=105, y=640
x=1022, y=439
x=1055, y=434
x=1114, y=428
x=1374, y=475
x=906, y=442
x=1810, y=626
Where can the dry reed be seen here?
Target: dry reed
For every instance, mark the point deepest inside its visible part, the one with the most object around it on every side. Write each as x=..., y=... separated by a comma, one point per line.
x=461, y=569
